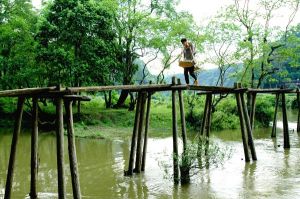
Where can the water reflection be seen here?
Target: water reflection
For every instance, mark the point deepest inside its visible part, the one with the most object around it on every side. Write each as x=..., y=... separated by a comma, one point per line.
x=276, y=174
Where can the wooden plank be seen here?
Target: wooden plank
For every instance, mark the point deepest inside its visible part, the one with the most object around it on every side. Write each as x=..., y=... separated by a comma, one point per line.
x=25, y=91
x=34, y=149
x=274, y=90
x=13, y=150
x=72, y=150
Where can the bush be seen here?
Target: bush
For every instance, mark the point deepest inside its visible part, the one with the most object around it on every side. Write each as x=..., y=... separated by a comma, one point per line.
x=264, y=111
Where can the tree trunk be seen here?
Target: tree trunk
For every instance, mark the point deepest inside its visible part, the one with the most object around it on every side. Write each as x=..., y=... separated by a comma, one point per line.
x=122, y=98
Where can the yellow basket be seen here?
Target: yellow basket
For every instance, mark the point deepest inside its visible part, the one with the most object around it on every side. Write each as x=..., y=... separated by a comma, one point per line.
x=186, y=63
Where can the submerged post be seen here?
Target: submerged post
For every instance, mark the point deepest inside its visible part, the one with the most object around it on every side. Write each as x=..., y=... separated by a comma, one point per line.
x=298, y=103
x=175, y=135
x=14, y=142
x=252, y=112
x=275, y=117
x=72, y=150
x=248, y=128
x=241, y=116
x=60, y=148
x=204, y=119
x=134, y=136
x=34, y=148
x=138, y=161
x=146, y=131
x=286, y=138
x=182, y=116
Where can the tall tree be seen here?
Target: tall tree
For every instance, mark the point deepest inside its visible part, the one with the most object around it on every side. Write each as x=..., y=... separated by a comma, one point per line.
x=77, y=42
x=17, y=57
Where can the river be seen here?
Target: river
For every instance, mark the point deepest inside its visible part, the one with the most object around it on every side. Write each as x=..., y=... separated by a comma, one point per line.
x=276, y=173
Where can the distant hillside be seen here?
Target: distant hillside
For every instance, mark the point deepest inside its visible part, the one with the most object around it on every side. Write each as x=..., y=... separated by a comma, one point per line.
x=208, y=77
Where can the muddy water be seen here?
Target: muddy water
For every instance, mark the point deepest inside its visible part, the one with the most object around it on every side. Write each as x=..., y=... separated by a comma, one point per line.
x=276, y=173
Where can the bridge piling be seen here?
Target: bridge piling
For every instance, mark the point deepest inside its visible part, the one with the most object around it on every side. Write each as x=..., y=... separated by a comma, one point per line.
x=140, y=138
x=12, y=157
x=248, y=127
x=286, y=139
x=182, y=117
x=242, y=124
x=146, y=131
x=274, y=128
x=175, y=135
x=72, y=149
x=298, y=104
x=34, y=149
x=129, y=172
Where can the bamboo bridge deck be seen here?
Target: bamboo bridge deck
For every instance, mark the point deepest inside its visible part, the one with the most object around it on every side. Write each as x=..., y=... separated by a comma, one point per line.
x=137, y=160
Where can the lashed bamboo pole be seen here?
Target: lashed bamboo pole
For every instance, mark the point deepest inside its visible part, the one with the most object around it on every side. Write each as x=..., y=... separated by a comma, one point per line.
x=146, y=131
x=175, y=135
x=182, y=117
x=286, y=138
x=12, y=157
x=138, y=162
x=134, y=136
x=72, y=150
x=242, y=124
x=275, y=117
x=298, y=103
x=60, y=148
x=248, y=128
x=34, y=149
x=252, y=112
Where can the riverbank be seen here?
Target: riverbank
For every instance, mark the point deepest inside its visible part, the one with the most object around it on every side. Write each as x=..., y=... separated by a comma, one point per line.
x=97, y=121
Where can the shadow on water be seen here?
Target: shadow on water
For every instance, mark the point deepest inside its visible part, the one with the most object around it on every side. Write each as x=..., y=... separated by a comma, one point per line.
x=101, y=164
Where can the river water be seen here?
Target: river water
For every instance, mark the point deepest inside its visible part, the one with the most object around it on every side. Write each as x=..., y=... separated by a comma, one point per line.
x=276, y=173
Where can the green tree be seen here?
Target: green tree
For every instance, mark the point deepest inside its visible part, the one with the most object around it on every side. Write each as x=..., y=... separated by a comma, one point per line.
x=77, y=43
x=17, y=57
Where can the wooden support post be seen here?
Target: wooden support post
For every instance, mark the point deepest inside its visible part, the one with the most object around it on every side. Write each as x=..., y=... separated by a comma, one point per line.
x=273, y=135
x=175, y=135
x=12, y=157
x=138, y=162
x=209, y=112
x=146, y=131
x=182, y=116
x=252, y=112
x=204, y=119
x=241, y=116
x=286, y=139
x=298, y=103
x=72, y=150
x=134, y=136
x=60, y=148
x=34, y=149
x=248, y=128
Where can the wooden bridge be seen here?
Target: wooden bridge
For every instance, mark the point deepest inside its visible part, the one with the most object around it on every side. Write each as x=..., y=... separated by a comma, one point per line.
x=137, y=160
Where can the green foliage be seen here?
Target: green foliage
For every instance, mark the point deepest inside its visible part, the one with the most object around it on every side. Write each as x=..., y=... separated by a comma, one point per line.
x=264, y=110
x=77, y=43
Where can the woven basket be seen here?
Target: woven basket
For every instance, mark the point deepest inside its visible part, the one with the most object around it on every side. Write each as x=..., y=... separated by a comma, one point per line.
x=186, y=63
